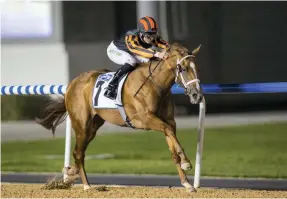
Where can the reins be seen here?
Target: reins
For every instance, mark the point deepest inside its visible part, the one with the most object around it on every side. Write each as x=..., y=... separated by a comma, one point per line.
x=150, y=73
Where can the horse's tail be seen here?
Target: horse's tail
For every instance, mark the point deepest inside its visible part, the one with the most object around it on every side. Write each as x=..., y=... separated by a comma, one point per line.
x=55, y=113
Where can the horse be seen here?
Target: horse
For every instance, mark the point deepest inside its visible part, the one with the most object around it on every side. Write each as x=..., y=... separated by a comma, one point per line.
x=146, y=96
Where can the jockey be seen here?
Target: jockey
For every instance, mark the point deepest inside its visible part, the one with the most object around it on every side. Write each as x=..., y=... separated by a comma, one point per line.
x=136, y=46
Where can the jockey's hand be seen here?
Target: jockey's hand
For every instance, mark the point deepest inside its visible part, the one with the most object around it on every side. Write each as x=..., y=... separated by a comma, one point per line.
x=161, y=55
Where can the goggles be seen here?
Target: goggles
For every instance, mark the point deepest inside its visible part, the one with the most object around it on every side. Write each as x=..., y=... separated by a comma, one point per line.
x=150, y=35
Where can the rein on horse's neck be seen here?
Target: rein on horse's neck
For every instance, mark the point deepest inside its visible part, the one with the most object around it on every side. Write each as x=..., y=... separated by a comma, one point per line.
x=165, y=76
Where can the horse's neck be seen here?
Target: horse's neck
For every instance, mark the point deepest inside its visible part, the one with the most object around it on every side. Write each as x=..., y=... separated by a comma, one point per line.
x=163, y=76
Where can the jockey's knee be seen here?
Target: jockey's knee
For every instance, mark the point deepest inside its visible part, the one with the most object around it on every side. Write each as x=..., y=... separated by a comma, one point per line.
x=145, y=60
x=142, y=59
x=131, y=62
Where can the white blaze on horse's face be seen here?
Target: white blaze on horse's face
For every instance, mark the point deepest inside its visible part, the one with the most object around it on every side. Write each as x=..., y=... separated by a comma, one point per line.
x=194, y=93
x=192, y=65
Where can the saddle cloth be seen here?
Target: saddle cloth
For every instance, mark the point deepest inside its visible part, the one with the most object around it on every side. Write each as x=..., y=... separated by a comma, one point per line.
x=101, y=101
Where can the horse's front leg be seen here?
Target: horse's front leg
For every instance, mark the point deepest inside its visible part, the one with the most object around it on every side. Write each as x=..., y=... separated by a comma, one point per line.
x=184, y=161
x=179, y=157
x=183, y=166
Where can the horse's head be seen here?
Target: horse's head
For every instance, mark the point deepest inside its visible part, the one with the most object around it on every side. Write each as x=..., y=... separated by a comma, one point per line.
x=184, y=63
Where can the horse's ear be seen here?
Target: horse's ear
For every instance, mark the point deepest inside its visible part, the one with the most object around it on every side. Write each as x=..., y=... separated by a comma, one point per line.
x=195, y=51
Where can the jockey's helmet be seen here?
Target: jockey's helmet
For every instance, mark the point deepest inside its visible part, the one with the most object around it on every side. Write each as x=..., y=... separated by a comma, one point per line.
x=147, y=25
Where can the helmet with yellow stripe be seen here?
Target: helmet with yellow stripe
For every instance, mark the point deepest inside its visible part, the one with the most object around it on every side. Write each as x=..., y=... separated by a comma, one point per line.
x=147, y=25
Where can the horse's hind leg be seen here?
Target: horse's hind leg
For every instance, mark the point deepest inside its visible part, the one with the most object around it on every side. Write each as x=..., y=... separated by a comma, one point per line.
x=85, y=133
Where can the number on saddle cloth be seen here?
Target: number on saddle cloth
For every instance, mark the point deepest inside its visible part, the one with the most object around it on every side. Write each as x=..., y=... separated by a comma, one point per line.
x=101, y=101
x=102, y=82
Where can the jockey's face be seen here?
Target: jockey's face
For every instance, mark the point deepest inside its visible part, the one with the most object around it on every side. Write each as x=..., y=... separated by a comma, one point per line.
x=149, y=37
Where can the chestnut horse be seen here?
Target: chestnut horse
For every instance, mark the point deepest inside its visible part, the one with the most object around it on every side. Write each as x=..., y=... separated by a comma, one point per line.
x=147, y=101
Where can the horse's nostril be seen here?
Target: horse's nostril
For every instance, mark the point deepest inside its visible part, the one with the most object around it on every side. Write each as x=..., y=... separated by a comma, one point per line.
x=194, y=95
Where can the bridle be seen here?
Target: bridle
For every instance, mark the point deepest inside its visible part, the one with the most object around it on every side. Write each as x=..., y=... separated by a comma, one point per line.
x=179, y=71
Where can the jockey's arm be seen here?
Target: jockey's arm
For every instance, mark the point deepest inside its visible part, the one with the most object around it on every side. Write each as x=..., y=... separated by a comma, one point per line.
x=161, y=43
x=134, y=47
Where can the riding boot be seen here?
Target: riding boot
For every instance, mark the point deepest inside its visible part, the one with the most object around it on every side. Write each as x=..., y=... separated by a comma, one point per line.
x=112, y=87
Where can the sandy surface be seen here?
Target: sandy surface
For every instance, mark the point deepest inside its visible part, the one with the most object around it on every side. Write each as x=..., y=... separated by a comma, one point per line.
x=36, y=191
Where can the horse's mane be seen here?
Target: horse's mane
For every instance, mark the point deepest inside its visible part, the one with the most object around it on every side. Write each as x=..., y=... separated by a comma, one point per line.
x=174, y=48
x=178, y=48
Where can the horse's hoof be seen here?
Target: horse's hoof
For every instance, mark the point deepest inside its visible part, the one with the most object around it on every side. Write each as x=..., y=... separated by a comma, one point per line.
x=87, y=187
x=186, y=166
x=190, y=189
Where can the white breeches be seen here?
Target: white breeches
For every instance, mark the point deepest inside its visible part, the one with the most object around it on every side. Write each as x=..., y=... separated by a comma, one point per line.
x=121, y=57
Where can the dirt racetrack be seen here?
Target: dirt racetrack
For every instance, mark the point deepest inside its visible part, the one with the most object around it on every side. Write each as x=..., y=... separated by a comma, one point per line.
x=36, y=191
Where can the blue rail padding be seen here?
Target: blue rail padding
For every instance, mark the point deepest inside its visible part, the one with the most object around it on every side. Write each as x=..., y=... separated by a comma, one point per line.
x=211, y=88
x=52, y=89
x=177, y=90
x=207, y=88
x=11, y=90
x=272, y=87
x=60, y=89
x=3, y=90
x=277, y=87
x=19, y=90
x=27, y=90
x=42, y=89
x=33, y=90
